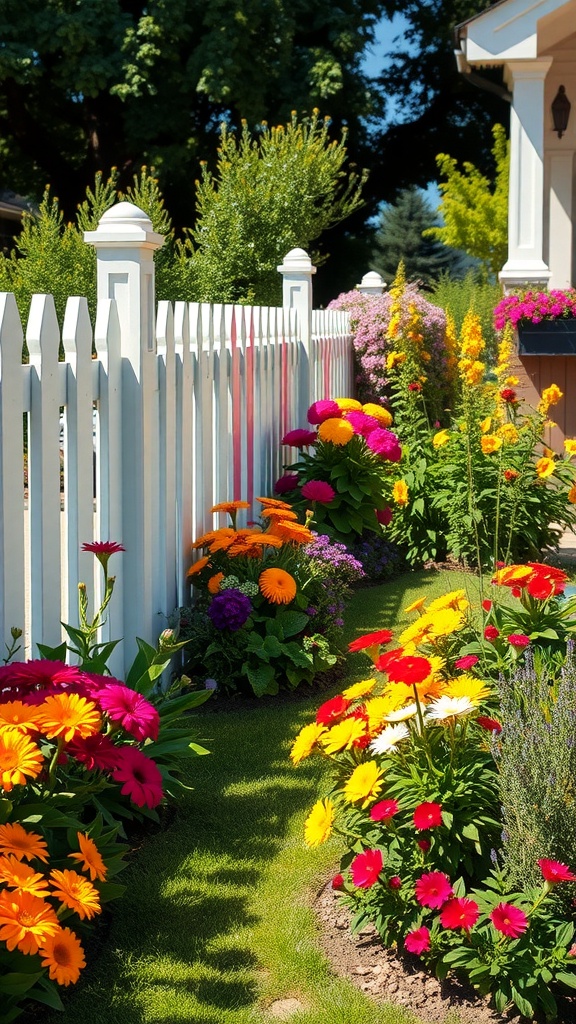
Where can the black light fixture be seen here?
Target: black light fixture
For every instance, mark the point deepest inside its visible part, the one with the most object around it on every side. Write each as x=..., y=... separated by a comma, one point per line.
x=560, y=111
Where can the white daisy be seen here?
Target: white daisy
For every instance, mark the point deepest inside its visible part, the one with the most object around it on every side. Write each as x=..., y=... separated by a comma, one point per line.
x=389, y=737
x=449, y=707
x=402, y=714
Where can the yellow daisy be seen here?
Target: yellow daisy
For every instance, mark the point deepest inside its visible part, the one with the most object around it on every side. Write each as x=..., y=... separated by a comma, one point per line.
x=318, y=824
x=343, y=735
x=359, y=689
x=305, y=741
x=467, y=686
x=364, y=784
x=456, y=599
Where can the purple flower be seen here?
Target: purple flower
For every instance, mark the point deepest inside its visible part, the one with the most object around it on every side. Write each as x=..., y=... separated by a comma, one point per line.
x=230, y=609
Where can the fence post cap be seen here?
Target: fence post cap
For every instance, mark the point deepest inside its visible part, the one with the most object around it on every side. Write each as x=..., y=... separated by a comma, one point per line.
x=372, y=281
x=297, y=261
x=125, y=223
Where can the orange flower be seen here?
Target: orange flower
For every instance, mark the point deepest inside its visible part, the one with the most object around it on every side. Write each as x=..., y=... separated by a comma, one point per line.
x=19, y=715
x=90, y=857
x=206, y=538
x=544, y=467
x=229, y=506
x=273, y=503
x=19, y=757
x=336, y=431
x=16, y=875
x=75, y=892
x=64, y=956
x=198, y=566
x=295, y=532
x=25, y=921
x=267, y=540
x=277, y=586
x=15, y=839
x=572, y=495
x=214, y=582
x=279, y=513
x=400, y=492
x=348, y=404
x=490, y=443
x=70, y=716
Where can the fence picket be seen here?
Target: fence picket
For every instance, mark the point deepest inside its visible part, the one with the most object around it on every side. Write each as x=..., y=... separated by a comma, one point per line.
x=12, y=602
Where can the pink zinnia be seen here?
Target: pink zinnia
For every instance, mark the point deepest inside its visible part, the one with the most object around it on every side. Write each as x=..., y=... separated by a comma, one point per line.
x=460, y=913
x=385, y=444
x=384, y=516
x=554, y=871
x=383, y=810
x=325, y=409
x=140, y=775
x=318, y=490
x=418, y=941
x=433, y=889
x=468, y=661
x=490, y=633
x=490, y=724
x=135, y=714
x=509, y=920
x=288, y=482
x=427, y=815
x=298, y=438
x=365, y=868
x=518, y=640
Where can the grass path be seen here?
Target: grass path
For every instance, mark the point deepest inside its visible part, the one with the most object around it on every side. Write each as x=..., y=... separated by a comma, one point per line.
x=216, y=923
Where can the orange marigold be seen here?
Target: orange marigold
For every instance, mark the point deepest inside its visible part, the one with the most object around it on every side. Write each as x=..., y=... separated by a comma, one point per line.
x=198, y=566
x=76, y=892
x=229, y=506
x=214, y=582
x=19, y=757
x=279, y=513
x=70, y=716
x=336, y=431
x=277, y=586
x=382, y=415
x=294, y=532
x=273, y=503
x=23, y=844
x=63, y=955
x=25, y=921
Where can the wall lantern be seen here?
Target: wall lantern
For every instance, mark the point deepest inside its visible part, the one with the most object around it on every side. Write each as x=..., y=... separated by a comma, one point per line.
x=560, y=111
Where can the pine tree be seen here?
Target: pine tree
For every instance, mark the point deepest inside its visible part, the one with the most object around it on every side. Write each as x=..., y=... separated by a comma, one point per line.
x=399, y=237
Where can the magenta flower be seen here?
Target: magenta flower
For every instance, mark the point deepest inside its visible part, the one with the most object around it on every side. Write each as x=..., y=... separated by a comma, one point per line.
x=140, y=775
x=418, y=941
x=433, y=889
x=362, y=423
x=509, y=920
x=554, y=871
x=466, y=662
x=103, y=549
x=427, y=815
x=325, y=409
x=288, y=482
x=384, y=810
x=95, y=752
x=385, y=444
x=128, y=707
x=318, y=490
x=365, y=868
x=518, y=640
x=299, y=438
x=460, y=913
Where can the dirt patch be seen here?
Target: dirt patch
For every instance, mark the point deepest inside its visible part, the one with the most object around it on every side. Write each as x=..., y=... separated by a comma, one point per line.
x=390, y=977
x=283, y=1009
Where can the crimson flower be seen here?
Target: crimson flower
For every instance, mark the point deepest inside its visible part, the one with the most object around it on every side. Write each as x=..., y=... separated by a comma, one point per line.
x=103, y=549
x=518, y=640
x=288, y=482
x=486, y=604
x=460, y=913
x=365, y=868
x=338, y=882
x=433, y=889
x=409, y=669
x=385, y=660
x=418, y=941
x=384, y=516
x=415, y=386
x=466, y=662
x=395, y=882
x=490, y=724
x=509, y=920
x=384, y=810
x=298, y=438
x=135, y=714
x=94, y=752
x=140, y=775
x=332, y=710
x=490, y=633
x=427, y=815
x=424, y=845
x=318, y=490
x=554, y=871
x=383, y=636
x=508, y=395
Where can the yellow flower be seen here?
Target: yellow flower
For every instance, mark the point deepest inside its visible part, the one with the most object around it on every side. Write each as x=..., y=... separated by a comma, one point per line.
x=570, y=445
x=379, y=707
x=471, y=340
x=485, y=425
x=545, y=467
x=318, y=824
x=445, y=622
x=550, y=396
x=394, y=359
x=490, y=443
x=441, y=438
x=379, y=413
x=348, y=404
x=419, y=632
x=467, y=686
x=19, y=757
x=400, y=492
x=359, y=689
x=336, y=431
x=455, y=599
x=305, y=741
x=364, y=784
x=343, y=735
x=572, y=495
x=472, y=372
x=417, y=605
x=393, y=326
x=508, y=433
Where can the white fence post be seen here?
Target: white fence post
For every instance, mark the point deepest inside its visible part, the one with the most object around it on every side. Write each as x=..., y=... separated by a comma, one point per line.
x=371, y=284
x=11, y=472
x=125, y=244
x=297, y=271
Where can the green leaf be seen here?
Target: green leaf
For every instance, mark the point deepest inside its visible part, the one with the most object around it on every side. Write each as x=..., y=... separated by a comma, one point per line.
x=566, y=979
x=262, y=679
x=53, y=653
x=293, y=622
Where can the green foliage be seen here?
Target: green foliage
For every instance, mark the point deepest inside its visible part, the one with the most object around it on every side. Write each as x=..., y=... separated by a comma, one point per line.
x=271, y=191
x=474, y=209
x=401, y=236
x=459, y=296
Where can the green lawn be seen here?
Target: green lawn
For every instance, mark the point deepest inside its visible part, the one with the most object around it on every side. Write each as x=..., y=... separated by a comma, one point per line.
x=217, y=921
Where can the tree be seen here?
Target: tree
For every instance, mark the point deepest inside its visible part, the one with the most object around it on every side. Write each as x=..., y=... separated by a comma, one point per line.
x=474, y=208
x=270, y=192
x=401, y=236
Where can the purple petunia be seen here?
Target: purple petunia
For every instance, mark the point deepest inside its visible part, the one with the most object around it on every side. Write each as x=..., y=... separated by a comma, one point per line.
x=230, y=609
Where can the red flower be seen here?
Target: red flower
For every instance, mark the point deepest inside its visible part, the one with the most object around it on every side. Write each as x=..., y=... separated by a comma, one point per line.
x=332, y=710
x=94, y=752
x=384, y=810
x=518, y=640
x=288, y=482
x=103, y=547
x=427, y=815
x=511, y=474
x=509, y=920
x=508, y=395
x=387, y=659
x=466, y=662
x=383, y=636
x=490, y=633
x=384, y=516
x=486, y=604
x=554, y=871
x=490, y=724
x=140, y=775
x=409, y=669
x=338, y=882
x=395, y=882
x=540, y=587
x=424, y=845
x=299, y=438
x=365, y=868
x=572, y=950
x=418, y=941
x=460, y=913
x=433, y=889
x=415, y=387
x=318, y=490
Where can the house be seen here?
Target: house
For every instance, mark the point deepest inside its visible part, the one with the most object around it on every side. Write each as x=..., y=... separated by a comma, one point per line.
x=534, y=43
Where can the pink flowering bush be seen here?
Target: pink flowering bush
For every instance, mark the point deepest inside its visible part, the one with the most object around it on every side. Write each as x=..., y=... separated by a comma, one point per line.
x=533, y=307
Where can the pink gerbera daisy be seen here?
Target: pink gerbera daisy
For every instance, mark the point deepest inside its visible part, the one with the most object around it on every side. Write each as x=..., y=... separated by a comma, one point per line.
x=365, y=868
x=509, y=920
x=554, y=871
x=418, y=941
x=427, y=815
x=135, y=714
x=140, y=775
x=433, y=889
x=460, y=913
x=318, y=490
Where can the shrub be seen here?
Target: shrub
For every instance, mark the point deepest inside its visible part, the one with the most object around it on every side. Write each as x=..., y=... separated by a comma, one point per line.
x=458, y=297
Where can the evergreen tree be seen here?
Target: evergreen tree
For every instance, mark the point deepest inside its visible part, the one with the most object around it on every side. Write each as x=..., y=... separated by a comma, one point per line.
x=400, y=237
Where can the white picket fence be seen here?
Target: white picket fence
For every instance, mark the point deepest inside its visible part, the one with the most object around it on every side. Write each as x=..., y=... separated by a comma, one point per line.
x=136, y=444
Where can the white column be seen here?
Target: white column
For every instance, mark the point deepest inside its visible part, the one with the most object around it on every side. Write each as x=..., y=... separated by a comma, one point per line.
x=371, y=284
x=297, y=271
x=561, y=230
x=125, y=244
x=525, y=264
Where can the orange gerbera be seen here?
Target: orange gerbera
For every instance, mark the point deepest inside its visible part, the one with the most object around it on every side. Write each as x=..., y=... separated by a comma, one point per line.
x=229, y=506
x=292, y=531
x=273, y=503
x=278, y=586
x=26, y=921
x=223, y=540
x=75, y=892
x=19, y=715
x=64, y=956
x=198, y=566
x=336, y=431
x=266, y=540
x=214, y=582
x=19, y=757
x=70, y=716
x=279, y=513
x=16, y=875
x=206, y=538
x=15, y=839
x=90, y=857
